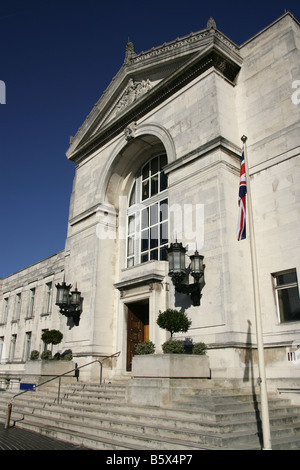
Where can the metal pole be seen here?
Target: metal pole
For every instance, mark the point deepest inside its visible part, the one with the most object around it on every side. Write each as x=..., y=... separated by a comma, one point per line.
x=58, y=393
x=100, y=362
x=259, y=333
x=8, y=415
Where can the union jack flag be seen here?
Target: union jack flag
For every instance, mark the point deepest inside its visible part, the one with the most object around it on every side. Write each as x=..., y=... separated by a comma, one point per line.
x=241, y=228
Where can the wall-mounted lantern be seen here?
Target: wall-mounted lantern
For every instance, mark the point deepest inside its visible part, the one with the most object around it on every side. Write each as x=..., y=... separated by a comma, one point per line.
x=70, y=303
x=178, y=271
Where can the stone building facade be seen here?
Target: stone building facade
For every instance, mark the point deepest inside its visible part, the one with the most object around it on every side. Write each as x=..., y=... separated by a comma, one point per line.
x=158, y=160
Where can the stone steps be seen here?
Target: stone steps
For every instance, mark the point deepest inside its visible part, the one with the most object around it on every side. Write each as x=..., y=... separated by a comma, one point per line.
x=98, y=417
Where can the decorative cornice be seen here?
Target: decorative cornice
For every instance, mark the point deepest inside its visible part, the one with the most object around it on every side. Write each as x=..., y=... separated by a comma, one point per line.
x=189, y=42
x=141, y=280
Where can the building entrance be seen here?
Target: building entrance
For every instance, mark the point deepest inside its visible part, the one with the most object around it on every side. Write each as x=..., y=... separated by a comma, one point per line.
x=137, y=328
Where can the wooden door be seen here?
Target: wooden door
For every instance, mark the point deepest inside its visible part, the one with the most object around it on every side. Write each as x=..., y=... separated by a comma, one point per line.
x=137, y=328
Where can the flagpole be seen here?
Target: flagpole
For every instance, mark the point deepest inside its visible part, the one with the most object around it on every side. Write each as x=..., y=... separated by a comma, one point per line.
x=259, y=334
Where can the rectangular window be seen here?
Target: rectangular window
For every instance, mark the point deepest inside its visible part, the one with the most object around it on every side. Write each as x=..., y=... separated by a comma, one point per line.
x=4, y=311
x=1, y=347
x=287, y=295
x=31, y=303
x=12, y=347
x=48, y=297
x=131, y=241
x=17, y=307
x=27, y=345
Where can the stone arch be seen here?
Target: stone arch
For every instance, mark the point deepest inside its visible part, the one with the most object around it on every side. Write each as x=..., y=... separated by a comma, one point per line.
x=127, y=158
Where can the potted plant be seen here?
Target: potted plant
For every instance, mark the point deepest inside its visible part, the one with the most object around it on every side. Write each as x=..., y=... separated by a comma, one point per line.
x=47, y=366
x=175, y=362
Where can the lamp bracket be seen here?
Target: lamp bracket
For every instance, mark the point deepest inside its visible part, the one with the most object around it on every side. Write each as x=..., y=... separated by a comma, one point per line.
x=194, y=289
x=67, y=307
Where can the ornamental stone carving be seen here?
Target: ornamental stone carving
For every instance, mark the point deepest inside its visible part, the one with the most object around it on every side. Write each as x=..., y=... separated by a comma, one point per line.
x=133, y=90
x=129, y=131
x=211, y=24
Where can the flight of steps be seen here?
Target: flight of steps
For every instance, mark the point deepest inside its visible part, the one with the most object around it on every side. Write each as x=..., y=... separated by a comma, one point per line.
x=98, y=417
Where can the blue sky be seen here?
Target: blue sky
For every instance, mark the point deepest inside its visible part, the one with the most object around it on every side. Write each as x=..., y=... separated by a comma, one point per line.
x=57, y=57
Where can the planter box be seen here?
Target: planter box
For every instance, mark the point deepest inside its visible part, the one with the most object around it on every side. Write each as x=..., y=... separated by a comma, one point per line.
x=161, y=379
x=48, y=368
x=171, y=366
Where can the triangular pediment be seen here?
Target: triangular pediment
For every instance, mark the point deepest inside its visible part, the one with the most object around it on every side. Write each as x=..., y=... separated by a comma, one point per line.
x=144, y=78
x=134, y=90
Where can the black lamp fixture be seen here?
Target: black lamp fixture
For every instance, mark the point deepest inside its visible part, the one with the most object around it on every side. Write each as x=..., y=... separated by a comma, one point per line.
x=178, y=271
x=70, y=303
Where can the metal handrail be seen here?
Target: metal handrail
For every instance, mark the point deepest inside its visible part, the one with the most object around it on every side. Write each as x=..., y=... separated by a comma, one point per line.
x=117, y=354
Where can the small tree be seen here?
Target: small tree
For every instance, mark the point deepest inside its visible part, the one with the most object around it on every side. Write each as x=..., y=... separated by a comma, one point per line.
x=173, y=321
x=52, y=337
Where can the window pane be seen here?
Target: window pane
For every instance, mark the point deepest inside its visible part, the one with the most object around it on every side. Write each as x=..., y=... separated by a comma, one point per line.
x=145, y=240
x=154, y=237
x=289, y=304
x=164, y=233
x=131, y=224
x=130, y=248
x=154, y=166
x=144, y=258
x=164, y=210
x=153, y=254
x=145, y=190
x=154, y=185
x=163, y=181
x=286, y=278
x=154, y=214
x=133, y=196
x=163, y=161
x=163, y=254
x=145, y=218
x=145, y=172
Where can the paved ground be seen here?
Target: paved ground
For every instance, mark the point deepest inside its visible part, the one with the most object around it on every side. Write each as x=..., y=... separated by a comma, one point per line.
x=19, y=439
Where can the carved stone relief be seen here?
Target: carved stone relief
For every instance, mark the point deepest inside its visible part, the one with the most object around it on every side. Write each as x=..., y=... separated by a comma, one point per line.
x=133, y=90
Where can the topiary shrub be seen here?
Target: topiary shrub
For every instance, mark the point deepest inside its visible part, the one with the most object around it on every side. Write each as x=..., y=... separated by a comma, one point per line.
x=34, y=355
x=173, y=321
x=52, y=337
x=46, y=355
x=68, y=357
x=200, y=349
x=173, y=347
x=146, y=347
x=57, y=357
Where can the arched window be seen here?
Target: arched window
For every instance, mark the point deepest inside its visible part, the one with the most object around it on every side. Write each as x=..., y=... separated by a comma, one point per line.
x=147, y=214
